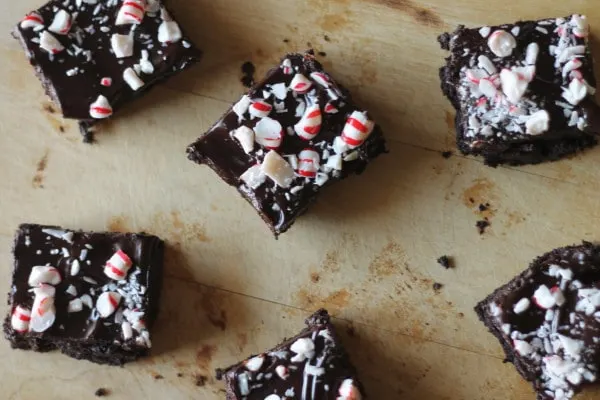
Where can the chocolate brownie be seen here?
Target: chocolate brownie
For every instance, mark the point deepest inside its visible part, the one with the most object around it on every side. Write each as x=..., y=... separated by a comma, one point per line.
x=93, y=296
x=311, y=365
x=94, y=56
x=523, y=92
x=548, y=320
x=291, y=135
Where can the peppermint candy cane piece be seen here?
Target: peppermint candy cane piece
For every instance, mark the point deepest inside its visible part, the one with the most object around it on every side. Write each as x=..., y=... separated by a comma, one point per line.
x=357, y=130
x=168, y=30
x=278, y=169
x=260, y=109
x=580, y=26
x=502, y=43
x=107, y=303
x=131, y=12
x=44, y=274
x=310, y=124
x=308, y=163
x=301, y=84
x=321, y=79
x=117, y=266
x=100, y=108
x=349, y=391
x=122, y=45
x=106, y=82
x=32, y=21
x=286, y=66
x=43, y=312
x=331, y=109
x=132, y=79
x=268, y=133
x=20, y=318
x=50, y=43
x=61, y=23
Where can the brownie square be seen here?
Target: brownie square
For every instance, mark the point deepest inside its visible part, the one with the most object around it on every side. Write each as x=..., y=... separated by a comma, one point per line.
x=524, y=92
x=548, y=320
x=291, y=135
x=311, y=365
x=93, y=296
x=94, y=56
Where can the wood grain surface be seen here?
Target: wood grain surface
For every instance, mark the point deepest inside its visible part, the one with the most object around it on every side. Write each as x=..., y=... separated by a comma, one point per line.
x=367, y=251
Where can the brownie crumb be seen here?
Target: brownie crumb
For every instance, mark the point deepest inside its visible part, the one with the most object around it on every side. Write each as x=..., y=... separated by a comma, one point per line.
x=200, y=380
x=437, y=286
x=471, y=200
x=158, y=376
x=446, y=262
x=447, y=154
x=322, y=54
x=101, y=392
x=308, y=44
x=326, y=38
x=248, y=70
x=482, y=225
x=179, y=375
x=286, y=40
x=484, y=207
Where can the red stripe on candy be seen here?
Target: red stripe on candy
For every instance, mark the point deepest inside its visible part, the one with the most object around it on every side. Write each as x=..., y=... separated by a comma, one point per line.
x=351, y=141
x=124, y=257
x=357, y=124
x=113, y=301
x=132, y=16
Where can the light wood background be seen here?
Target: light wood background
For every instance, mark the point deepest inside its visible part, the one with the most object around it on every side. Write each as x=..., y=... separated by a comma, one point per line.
x=367, y=251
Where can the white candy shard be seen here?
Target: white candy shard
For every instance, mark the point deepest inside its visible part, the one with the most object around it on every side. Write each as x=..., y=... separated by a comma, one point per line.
x=122, y=45
x=513, y=86
x=245, y=136
x=242, y=106
x=31, y=21
x=502, y=43
x=571, y=346
x=282, y=372
x=20, y=318
x=268, y=133
x=522, y=347
x=43, y=312
x=86, y=300
x=100, y=108
x=277, y=169
x=357, y=129
x=521, y=306
x=531, y=54
x=543, y=297
x=254, y=364
x=576, y=92
x=335, y=162
x=538, y=123
x=168, y=30
x=75, y=305
x=485, y=63
x=107, y=303
x=580, y=25
x=132, y=79
x=75, y=267
x=286, y=65
x=126, y=329
x=50, y=43
x=349, y=391
x=272, y=397
x=310, y=124
x=485, y=31
x=131, y=12
x=117, y=266
x=304, y=349
x=308, y=163
x=72, y=290
x=300, y=84
x=253, y=177
x=279, y=90
x=44, y=274
x=61, y=23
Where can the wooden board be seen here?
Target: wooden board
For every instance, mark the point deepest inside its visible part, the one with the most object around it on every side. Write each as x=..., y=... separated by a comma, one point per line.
x=367, y=251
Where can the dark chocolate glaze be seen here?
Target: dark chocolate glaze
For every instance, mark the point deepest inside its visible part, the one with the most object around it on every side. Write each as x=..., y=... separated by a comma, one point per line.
x=226, y=157
x=76, y=334
x=584, y=261
x=336, y=363
x=74, y=94
x=510, y=148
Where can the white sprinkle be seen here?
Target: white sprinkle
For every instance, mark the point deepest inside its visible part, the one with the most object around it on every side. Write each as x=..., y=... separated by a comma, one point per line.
x=485, y=31
x=90, y=280
x=83, y=254
x=542, y=30
x=71, y=290
x=521, y=306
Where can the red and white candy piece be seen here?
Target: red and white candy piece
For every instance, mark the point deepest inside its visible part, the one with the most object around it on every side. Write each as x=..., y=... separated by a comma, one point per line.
x=131, y=12
x=580, y=26
x=514, y=86
x=310, y=124
x=50, y=43
x=301, y=84
x=330, y=108
x=277, y=169
x=538, y=123
x=286, y=65
x=116, y=268
x=61, y=23
x=502, y=43
x=321, y=79
x=100, y=108
x=20, y=319
x=349, y=391
x=544, y=298
x=575, y=92
x=132, y=79
x=107, y=303
x=268, y=133
x=308, y=163
x=43, y=312
x=260, y=109
x=357, y=130
x=168, y=30
x=44, y=274
x=106, y=81
x=282, y=372
x=122, y=45
x=31, y=21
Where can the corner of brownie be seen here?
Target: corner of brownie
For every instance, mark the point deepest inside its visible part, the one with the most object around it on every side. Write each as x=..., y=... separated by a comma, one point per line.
x=313, y=364
x=93, y=296
x=291, y=135
x=523, y=92
x=547, y=320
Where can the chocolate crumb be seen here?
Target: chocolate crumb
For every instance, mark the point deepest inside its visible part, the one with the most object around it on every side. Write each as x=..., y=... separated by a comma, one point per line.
x=286, y=40
x=61, y=129
x=200, y=380
x=158, y=376
x=308, y=44
x=471, y=200
x=327, y=38
x=482, y=225
x=446, y=262
x=322, y=54
x=437, y=286
x=484, y=207
x=248, y=70
x=179, y=375
x=101, y=392
x=447, y=154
